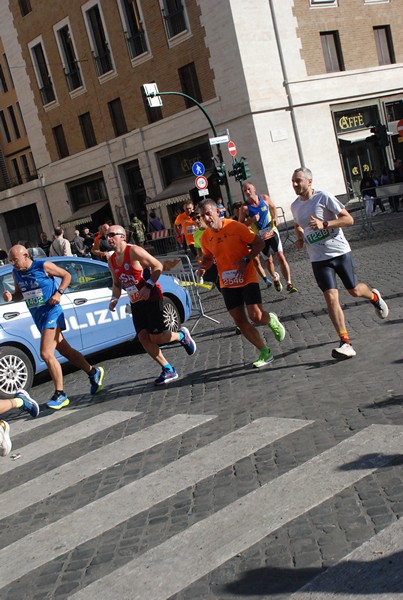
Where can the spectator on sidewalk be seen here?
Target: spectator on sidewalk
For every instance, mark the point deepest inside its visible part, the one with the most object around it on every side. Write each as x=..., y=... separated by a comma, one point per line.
x=60, y=246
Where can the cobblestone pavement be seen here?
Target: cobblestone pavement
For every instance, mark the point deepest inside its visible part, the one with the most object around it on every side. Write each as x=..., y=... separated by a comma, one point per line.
x=230, y=482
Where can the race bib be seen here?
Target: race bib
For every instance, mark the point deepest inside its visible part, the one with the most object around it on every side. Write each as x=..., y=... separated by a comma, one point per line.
x=266, y=233
x=133, y=293
x=232, y=277
x=33, y=298
x=317, y=236
x=190, y=229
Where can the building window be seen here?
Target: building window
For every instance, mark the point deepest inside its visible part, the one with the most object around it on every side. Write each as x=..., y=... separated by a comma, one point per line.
x=4, y=127
x=190, y=84
x=3, y=82
x=25, y=7
x=154, y=113
x=24, y=130
x=16, y=170
x=384, y=45
x=98, y=40
x=69, y=58
x=25, y=166
x=117, y=117
x=332, y=51
x=87, y=130
x=133, y=28
x=60, y=141
x=322, y=2
x=7, y=67
x=87, y=191
x=43, y=75
x=14, y=123
x=174, y=15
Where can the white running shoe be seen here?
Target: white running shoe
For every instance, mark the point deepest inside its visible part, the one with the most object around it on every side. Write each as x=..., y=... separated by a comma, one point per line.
x=344, y=351
x=381, y=308
x=5, y=441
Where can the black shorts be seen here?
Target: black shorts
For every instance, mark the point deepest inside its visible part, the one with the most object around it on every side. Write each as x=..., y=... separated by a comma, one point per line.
x=325, y=272
x=272, y=244
x=248, y=294
x=148, y=315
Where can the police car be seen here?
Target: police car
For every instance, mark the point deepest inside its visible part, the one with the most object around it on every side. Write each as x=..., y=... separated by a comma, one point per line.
x=91, y=327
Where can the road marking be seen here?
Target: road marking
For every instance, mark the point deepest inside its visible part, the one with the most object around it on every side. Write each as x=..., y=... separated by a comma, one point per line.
x=88, y=522
x=62, y=477
x=66, y=436
x=23, y=425
x=180, y=561
x=374, y=570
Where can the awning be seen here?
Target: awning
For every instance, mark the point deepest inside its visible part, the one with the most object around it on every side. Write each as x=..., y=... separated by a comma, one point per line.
x=177, y=191
x=84, y=214
x=355, y=136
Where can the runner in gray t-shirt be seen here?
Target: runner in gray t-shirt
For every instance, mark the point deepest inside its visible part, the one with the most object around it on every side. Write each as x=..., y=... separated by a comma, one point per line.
x=318, y=219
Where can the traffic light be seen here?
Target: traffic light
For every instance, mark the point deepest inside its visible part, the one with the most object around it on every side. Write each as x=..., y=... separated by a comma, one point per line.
x=240, y=171
x=220, y=173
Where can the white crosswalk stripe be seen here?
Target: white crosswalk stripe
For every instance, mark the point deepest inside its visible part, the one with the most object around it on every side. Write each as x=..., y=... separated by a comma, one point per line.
x=205, y=546
x=181, y=560
x=58, y=479
x=53, y=540
x=64, y=437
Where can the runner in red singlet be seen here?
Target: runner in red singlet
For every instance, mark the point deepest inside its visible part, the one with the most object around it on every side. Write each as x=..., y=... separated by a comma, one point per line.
x=136, y=271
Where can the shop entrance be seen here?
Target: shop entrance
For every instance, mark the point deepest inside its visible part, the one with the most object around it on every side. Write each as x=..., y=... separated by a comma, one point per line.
x=360, y=158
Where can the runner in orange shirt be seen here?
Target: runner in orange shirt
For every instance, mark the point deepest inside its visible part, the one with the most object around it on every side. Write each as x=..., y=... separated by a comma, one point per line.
x=185, y=225
x=234, y=246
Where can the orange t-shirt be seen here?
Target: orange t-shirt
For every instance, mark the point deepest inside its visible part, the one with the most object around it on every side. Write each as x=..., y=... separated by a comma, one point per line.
x=228, y=246
x=188, y=227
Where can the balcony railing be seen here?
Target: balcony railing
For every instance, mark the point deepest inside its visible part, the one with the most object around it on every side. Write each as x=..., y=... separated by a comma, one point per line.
x=175, y=22
x=103, y=63
x=14, y=181
x=137, y=44
x=47, y=94
x=73, y=79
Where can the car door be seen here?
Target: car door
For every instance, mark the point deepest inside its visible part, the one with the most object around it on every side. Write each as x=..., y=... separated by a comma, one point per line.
x=90, y=292
x=18, y=325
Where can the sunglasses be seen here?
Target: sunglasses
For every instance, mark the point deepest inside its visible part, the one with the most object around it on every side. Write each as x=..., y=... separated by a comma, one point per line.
x=112, y=234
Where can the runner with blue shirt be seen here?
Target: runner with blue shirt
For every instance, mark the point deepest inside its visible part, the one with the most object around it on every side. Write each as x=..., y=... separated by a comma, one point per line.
x=35, y=283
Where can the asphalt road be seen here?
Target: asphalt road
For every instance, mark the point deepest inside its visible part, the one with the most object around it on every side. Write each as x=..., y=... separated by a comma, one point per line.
x=231, y=482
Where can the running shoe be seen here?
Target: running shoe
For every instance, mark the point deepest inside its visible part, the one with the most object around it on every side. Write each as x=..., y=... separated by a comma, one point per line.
x=30, y=405
x=166, y=376
x=58, y=401
x=381, y=308
x=96, y=380
x=188, y=342
x=277, y=328
x=268, y=282
x=277, y=283
x=344, y=351
x=5, y=441
x=291, y=289
x=265, y=358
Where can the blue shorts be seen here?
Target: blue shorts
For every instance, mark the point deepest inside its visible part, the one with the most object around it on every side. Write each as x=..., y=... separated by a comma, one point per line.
x=49, y=318
x=325, y=272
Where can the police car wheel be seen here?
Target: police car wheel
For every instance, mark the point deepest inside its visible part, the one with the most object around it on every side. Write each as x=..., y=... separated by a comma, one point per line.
x=16, y=371
x=171, y=314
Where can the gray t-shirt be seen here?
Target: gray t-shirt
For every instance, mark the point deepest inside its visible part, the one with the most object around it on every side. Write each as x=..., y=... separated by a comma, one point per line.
x=321, y=244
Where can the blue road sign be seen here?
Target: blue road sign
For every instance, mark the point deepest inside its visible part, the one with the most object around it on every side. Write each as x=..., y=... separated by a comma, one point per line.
x=198, y=168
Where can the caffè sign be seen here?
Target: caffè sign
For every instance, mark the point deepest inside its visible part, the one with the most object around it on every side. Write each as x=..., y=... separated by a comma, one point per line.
x=353, y=119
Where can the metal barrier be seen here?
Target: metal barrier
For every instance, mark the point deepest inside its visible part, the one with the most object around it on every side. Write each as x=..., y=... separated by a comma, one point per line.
x=164, y=241
x=179, y=267
x=284, y=231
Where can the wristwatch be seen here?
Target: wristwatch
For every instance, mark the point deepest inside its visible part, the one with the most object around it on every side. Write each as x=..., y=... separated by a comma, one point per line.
x=325, y=224
x=60, y=291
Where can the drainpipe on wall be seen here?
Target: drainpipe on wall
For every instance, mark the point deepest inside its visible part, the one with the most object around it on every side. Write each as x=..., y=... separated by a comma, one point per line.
x=286, y=85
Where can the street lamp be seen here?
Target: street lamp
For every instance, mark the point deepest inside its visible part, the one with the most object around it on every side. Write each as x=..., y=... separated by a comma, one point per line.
x=153, y=96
